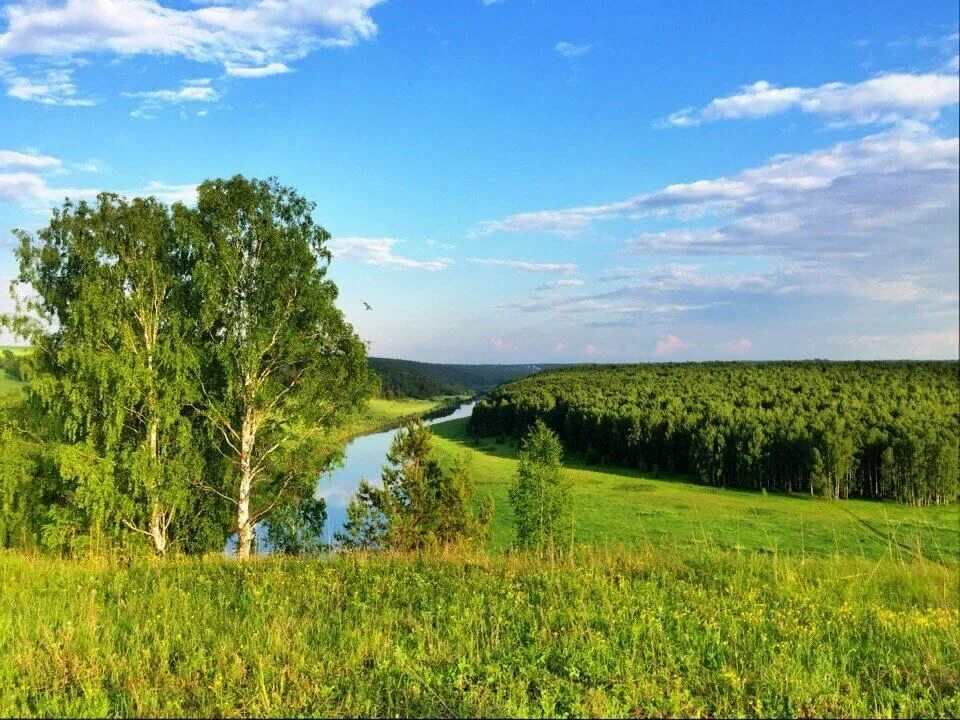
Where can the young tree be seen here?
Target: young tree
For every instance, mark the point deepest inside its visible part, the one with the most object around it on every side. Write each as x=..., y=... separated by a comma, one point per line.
x=540, y=495
x=296, y=528
x=278, y=357
x=112, y=370
x=419, y=505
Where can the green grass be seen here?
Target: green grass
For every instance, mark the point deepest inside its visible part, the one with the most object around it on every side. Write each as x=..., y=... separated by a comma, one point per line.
x=381, y=414
x=618, y=506
x=607, y=634
x=9, y=386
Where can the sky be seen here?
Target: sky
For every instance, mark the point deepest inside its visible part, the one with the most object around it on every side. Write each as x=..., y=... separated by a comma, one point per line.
x=517, y=181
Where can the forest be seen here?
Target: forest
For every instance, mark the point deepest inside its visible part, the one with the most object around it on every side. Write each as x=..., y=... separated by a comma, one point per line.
x=835, y=429
x=409, y=378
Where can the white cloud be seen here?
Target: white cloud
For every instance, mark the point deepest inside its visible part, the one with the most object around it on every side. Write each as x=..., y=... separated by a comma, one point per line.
x=501, y=345
x=13, y=160
x=780, y=188
x=25, y=188
x=525, y=266
x=570, y=50
x=887, y=98
x=198, y=90
x=925, y=344
x=274, y=68
x=250, y=33
x=561, y=283
x=53, y=86
x=24, y=181
x=739, y=346
x=165, y=192
x=379, y=251
x=669, y=345
x=251, y=39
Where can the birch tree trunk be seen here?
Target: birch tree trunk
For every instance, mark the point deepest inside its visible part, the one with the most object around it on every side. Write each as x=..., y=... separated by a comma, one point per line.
x=248, y=435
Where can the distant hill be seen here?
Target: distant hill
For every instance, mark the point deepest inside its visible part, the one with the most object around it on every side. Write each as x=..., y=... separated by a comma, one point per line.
x=409, y=378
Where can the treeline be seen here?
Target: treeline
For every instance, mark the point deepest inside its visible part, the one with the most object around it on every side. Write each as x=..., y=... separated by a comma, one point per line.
x=835, y=429
x=187, y=365
x=410, y=376
x=399, y=380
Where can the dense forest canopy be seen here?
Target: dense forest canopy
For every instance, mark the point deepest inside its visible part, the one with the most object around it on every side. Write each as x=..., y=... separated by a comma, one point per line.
x=408, y=378
x=840, y=429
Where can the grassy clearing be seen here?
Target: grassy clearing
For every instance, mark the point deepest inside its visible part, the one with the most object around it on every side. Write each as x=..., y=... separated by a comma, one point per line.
x=618, y=506
x=381, y=414
x=607, y=634
x=9, y=386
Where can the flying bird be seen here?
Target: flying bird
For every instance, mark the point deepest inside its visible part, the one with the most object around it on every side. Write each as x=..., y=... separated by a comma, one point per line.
x=367, y=305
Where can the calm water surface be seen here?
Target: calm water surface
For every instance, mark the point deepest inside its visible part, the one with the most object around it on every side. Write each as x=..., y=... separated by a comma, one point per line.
x=363, y=458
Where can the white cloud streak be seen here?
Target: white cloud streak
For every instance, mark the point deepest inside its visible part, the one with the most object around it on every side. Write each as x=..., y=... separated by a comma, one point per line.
x=274, y=68
x=525, y=266
x=561, y=283
x=379, y=251
x=14, y=160
x=887, y=98
x=901, y=156
x=571, y=50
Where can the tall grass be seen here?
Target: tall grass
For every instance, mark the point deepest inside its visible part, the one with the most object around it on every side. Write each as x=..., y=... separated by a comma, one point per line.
x=649, y=632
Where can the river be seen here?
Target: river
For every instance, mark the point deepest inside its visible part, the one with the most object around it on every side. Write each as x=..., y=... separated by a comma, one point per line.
x=363, y=458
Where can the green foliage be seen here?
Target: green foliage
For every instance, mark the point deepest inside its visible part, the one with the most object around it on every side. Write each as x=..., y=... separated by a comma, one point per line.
x=10, y=364
x=112, y=373
x=419, y=505
x=862, y=429
x=540, y=496
x=277, y=354
x=297, y=528
x=398, y=380
x=21, y=496
x=602, y=634
x=618, y=506
x=422, y=380
x=189, y=367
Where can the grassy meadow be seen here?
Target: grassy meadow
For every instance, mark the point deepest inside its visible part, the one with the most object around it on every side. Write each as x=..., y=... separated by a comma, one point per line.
x=618, y=506
x=650, y=632
x=678, y=600
x=380, y=414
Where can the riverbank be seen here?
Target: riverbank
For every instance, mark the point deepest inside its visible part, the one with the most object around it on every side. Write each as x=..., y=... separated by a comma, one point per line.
x=381, y=414
x=607, y=633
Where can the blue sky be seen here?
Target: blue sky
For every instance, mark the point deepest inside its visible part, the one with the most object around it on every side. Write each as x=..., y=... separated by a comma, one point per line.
x=522, y=181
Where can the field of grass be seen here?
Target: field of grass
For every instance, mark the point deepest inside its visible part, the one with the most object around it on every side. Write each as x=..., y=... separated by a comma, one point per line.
x=617, y=506
x=605, y=634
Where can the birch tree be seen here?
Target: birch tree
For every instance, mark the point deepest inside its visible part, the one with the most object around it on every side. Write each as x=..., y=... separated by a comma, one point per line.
x=102, y=305
x=280, y=363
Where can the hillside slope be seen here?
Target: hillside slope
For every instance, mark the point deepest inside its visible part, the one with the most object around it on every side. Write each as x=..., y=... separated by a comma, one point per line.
x=409, y=378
